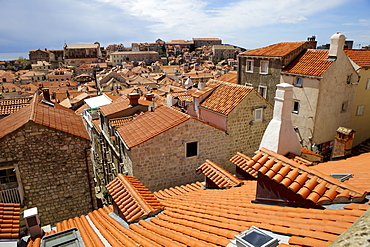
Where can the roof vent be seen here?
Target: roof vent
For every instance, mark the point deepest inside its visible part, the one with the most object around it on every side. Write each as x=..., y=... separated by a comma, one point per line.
x=341, y=177
x=33, y=223
x=70, y=237
x=254, y=237
x=47, y=103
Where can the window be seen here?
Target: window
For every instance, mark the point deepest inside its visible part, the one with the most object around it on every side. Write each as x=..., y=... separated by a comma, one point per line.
x=7, y=176
x=264, y=67
x=191, y=149
x=249, y=84
x=298, y=82
x=249, y=66
x=258, y=114
x=344, y=106
x=368, y=84
x=262, y=90
x=295, y=106
x=349, y=79
x=360, y=110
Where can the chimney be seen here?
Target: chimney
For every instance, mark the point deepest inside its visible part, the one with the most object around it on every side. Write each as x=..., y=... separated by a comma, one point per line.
x=46, y=94
x=336, y=44
x=134, y=98
x=201, y=85
x=149, y=96
x=280, y=136
x=33, y=223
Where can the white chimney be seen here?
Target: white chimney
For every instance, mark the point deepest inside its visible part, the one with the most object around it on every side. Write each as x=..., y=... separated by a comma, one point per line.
x=280, y=136
x=336, y=44
x=201, y=85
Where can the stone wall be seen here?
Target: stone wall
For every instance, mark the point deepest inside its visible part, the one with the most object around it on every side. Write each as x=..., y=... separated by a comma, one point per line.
x=245, y=134
x=161, y=162
x=270, y=80
x=53, y=169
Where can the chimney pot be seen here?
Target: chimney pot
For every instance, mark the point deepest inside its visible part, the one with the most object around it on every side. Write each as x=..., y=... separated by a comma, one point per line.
x=149, y=96
x=134, y=98
x=46, y=94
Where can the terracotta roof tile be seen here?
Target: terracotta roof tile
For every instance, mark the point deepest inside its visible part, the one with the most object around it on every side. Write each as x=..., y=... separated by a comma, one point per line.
x=218, y=175
x=311, y=62
x=119, y=105
x=225, y=97
x=230, y=77
x=360, y=57
x=355, y=165
x=275, y=50
x=309, y=183
x=9, y=220
x=54, y=117
x=150, y=125
x=134, y=200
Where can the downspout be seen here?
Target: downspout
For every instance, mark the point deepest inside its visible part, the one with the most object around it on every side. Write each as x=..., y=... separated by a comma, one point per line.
x=88, y=177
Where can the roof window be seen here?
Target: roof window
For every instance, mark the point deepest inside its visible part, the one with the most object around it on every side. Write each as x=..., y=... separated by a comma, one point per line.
x=70, y=237
x=254, y=237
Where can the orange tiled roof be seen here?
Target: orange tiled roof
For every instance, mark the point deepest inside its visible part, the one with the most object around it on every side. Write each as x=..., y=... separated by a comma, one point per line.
x=230, y=77
x=309, y=183
x=150, y=125
x=8, y=106
x=58, y=118
x=226, y=97
x=276, y=50
x=310, y=62
x=9, y=220
x=360, y=57
x=218, y=175
x=134, y=200
x=116, y=122
x=213, y=217
x=357, y=165
x=120, y=104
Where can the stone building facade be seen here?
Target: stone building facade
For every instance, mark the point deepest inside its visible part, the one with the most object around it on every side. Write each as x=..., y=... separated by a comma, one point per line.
x=119, y=57
x=261, y=67
x=75, y=55
x=165, y=160
x=52, y=167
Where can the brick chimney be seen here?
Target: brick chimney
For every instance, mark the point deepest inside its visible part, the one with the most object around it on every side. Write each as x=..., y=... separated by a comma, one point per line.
x=149, y=96
x=280, y=136
x=46, y=94
x=134, y=98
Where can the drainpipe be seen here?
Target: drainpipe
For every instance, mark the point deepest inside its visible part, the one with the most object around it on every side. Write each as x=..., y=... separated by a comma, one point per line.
x=88, y=177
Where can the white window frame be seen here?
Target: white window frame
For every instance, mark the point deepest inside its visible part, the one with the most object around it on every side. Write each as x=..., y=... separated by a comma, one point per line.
x=258, y=114
x=368, y=84
x=299, y=82
x=248, y=84
x=264, y=67
x=247, y=69
x=296, y=102
x=263, y=91
x=360, y=110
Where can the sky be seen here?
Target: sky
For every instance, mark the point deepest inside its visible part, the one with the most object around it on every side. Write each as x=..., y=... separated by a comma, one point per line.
x=28, y=25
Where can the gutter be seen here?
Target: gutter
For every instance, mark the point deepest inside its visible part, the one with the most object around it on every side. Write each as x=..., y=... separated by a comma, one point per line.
x=300, y=75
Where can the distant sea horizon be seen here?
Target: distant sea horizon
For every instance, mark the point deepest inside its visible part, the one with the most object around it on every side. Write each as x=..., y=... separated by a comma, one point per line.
x=9, y=56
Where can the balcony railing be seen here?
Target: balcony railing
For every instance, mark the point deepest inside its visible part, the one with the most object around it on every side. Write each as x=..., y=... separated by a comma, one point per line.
x=10, y=196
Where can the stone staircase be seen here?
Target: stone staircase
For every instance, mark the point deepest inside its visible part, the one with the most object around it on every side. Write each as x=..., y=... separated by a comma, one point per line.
x=363, y=147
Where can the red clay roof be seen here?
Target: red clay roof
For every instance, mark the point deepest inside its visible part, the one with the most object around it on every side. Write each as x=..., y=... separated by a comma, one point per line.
x=58, y=117
x=357, y=165
x=230, y=77
x=9, y=220
x=226, y=97
x=275, y=50
x=310, y=62
x=218, y=175
x=213, y=217
x=150, y=125
x=134, y=200
x=307, y=182
x=120, y=104
x=360, y=57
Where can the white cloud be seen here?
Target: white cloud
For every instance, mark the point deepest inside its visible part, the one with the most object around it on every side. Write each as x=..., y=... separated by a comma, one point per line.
x=198, y=18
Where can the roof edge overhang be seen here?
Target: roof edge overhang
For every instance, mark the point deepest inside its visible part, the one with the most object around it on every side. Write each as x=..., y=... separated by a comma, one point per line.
x=301, y=75
x=207, y=109
x=260, y=57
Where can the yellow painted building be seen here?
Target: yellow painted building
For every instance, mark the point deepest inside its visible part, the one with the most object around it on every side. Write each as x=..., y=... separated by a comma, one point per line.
x=360, y=119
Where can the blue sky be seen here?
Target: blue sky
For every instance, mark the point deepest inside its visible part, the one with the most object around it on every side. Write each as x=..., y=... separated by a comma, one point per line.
x=27, y=25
